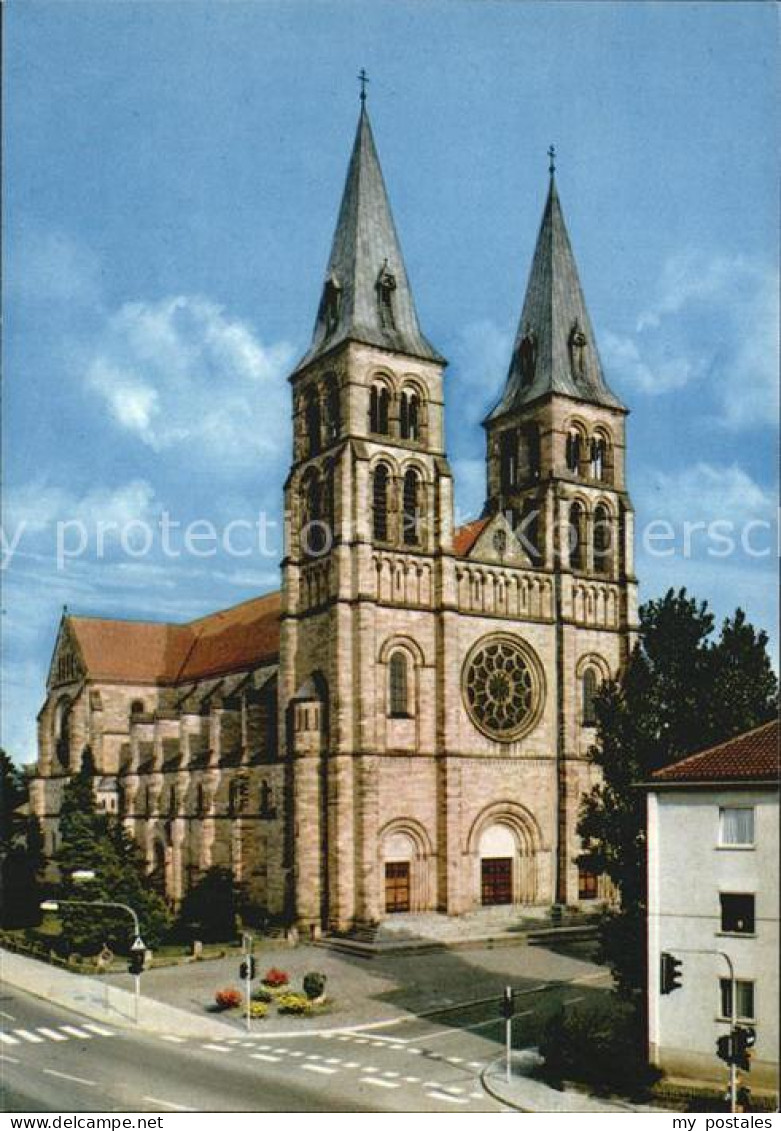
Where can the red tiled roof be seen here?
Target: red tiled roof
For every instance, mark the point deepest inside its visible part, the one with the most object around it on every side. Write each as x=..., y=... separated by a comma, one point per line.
x=464, y=537
x=232, y=639
x=753, y=756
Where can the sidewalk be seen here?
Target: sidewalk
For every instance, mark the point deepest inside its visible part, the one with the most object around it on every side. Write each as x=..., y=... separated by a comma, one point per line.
x=525, y=1093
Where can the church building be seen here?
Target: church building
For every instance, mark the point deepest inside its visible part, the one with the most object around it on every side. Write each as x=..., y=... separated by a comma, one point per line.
x=404, y=726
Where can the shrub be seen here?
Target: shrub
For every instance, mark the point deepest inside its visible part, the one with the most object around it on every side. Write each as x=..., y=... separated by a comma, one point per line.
x=229, y=998
x=262, y=996
x=258, y=1009
x=294, y=1003
x=314, y=984
x=600, y=1044
x=275, y=977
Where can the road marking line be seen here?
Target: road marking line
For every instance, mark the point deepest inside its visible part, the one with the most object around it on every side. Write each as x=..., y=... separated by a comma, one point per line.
x=390, y=1040
x=572, y=1000
x=10, y=1059
x=370, y=1068
x=319, y=1068
x=264, y=1048
x=391, y=1075
x=8, y=1016
x=454, y=1059
x=361, y=1041
x=295, y=1052
x=415, y=1052
x=101, y=1032
x=215, y=1048
x=66, y=1076
x=52, y=1034
x=334, y=1060
x=8, y=1040
x=437, y=1095
x=378, y=1083
x=264, y=1056
x=451, y=1089
x=312, y=1056
x=476, y=1096
x=475, y=1064
x=72, y=1031
x=173, y=1040
x=412, y=1079
x=32, y=1038
x=344, y=1038
x=352, y=1064
x=168, y=1103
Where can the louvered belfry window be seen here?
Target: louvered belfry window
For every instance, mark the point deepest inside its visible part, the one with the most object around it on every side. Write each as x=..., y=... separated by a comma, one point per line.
x=380, y=503
x=399, y=686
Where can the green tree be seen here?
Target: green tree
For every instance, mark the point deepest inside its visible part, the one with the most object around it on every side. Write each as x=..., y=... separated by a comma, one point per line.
x=682, y=691
x=21, y=851
x=95, y=841
x=208, y=911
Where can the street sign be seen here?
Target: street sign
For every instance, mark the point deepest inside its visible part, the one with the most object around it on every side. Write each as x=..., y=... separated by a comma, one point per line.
x=139, y=944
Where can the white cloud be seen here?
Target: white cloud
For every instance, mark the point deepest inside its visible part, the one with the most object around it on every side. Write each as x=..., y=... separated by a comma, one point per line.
x=705, y=493
x=714, y=324
x=182, y=371
x=46, y=267
x=39, y=505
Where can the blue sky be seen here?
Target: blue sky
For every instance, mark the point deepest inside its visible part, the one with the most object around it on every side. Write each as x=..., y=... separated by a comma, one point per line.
x=172, y=176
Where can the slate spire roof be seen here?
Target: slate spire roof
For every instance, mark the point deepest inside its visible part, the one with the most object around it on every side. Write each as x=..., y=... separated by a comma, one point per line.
x=366, y=293
x=555, y=349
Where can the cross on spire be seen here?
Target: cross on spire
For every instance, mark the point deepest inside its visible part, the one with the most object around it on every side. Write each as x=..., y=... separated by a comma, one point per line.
x=363, y=78
x=552, y=156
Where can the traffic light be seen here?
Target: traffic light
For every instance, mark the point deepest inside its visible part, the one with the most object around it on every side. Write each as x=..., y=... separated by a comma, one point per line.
x=744, y=1038
x=724, y=1048
x=507, y=1003
x=670, y=973
x=137, y=960
x=247, y=970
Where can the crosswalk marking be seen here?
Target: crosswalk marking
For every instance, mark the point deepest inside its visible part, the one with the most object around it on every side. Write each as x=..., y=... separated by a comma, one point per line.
x=98, y=1029
x=264, y=1056
x=26, y=1035
x=173, y=1040
x=319, y=1068
x=52, y=1034
x=215, y=1048
x=412, y=1079
x=72, y=1031
x=333, y=1060
x=437, y=1095
x=380, y=1083
x=8, y=1040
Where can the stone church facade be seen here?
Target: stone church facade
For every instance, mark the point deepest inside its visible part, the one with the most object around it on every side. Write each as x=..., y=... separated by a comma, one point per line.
x=404, y=727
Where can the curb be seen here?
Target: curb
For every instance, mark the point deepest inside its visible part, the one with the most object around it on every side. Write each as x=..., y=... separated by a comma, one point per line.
x=495, y=1095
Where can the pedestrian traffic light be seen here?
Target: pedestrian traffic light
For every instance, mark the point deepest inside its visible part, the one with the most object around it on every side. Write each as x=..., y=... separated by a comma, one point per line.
x=744, y=1099
x=670, y=973
x=744, y=1038
x=247, y=970
x=137, y=960
x=507, y=1003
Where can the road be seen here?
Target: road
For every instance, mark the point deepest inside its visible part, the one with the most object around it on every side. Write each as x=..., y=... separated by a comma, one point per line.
x=55, y=1060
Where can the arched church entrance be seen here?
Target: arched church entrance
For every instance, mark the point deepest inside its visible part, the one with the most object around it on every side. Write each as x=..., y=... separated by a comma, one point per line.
x=404, y=867
x=505, y=843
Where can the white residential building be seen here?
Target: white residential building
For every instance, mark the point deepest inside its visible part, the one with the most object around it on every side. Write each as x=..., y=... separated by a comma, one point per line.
x=712, y=891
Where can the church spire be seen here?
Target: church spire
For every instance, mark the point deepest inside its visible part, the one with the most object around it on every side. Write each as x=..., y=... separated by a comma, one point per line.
x=555, y=349
x=366, y=294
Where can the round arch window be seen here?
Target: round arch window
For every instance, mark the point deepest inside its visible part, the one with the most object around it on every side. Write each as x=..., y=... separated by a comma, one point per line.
x=503, y=687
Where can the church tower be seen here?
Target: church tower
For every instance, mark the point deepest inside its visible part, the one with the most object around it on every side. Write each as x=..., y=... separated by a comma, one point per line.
x=368, y=505
x=556, y=445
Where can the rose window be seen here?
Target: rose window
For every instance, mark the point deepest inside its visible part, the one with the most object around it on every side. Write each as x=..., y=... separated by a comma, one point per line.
x=501, y=687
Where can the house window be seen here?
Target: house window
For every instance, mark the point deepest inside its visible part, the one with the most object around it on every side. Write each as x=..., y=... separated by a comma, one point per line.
x=399, y=686
x=379, y=406
x=736, y=827
x=737, y=913
x=587, y=883
x=589, y=697
x=380, y=504
x=745, y=999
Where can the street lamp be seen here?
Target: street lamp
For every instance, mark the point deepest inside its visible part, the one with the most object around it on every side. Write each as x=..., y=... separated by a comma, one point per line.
x=138, y=943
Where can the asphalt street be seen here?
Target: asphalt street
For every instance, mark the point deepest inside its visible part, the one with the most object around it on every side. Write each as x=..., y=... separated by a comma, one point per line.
x=55, y=1060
